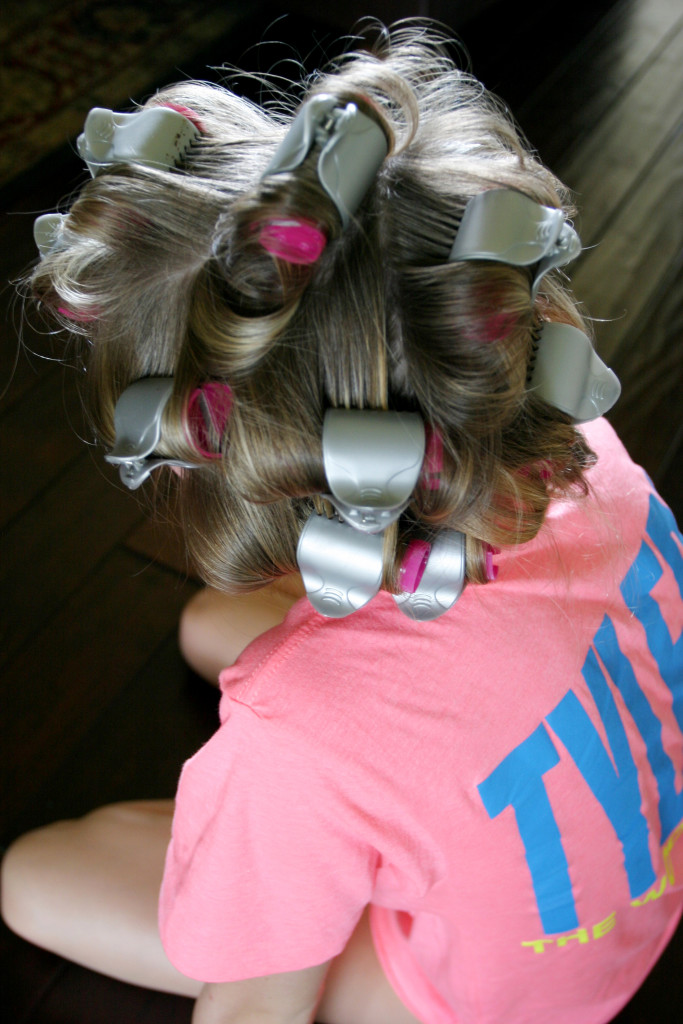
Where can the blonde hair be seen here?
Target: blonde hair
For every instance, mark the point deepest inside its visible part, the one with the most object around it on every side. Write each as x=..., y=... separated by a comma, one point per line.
x=163, y=274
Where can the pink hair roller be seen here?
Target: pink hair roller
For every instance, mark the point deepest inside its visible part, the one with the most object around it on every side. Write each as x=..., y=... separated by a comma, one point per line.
x=413, y=565
x=433, y=460
x=491, y=569
x=80, y=318
x=208, y=409
x=293, y=240
x=186, y=112
x=497, y=327
x=545, y=470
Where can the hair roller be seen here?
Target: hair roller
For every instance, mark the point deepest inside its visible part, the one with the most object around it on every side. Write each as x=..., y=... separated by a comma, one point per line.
x=293, y=239
x=315, y=182
x=269, y=243
x=346, y=144
x=206, y=418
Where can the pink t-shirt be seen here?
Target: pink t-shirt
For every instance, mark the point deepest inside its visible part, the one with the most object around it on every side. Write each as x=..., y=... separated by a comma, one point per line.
x=503, y=786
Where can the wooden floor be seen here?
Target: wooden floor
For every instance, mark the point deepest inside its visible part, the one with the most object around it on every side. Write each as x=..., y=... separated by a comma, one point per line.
x=97, y=705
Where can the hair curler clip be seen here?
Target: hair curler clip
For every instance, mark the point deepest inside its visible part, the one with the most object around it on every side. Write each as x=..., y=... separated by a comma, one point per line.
x=137, y=423
x=154, y=136
x=567, y=372
x=341, y=568
x=509, y=227
x=353, y=149
x=48, y=231
x=372, y=462
x=439, y=581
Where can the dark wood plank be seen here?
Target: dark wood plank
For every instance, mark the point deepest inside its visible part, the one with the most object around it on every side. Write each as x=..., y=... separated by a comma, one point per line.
x=56, y=689
x=83, y=997
x=625, y=145
x=20, y=367
x=27, y=975
x=19, y=370
x=87, y=515
x=671, y=475
x=632, y=143
x=499, y=41
x=134, y=748
x=568, y=104
x=649, y=363
x=20, y=335
x=619, y=279
x=39, y=439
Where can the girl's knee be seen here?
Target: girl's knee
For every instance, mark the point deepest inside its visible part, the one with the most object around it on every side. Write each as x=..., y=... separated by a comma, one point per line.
x=23, y=874
x=49, y=875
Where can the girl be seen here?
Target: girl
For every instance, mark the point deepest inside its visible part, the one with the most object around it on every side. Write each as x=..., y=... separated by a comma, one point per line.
x=447, y=782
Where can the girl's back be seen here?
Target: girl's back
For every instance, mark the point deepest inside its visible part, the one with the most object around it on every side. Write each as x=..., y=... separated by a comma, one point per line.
x=502, y=785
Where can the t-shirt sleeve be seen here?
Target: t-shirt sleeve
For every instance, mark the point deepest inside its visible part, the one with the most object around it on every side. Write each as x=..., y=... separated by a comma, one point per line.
x=264, y=873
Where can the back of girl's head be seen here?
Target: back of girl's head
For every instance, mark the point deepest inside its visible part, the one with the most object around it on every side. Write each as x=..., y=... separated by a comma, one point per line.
x=163, y=275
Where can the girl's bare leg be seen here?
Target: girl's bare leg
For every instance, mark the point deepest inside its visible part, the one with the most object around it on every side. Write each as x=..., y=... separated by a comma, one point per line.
x=88, y=891
x=356, y=988
x=215, y=628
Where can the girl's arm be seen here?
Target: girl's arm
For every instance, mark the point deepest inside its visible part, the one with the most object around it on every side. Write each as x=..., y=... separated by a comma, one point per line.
x=289, y=998
x=215, y=627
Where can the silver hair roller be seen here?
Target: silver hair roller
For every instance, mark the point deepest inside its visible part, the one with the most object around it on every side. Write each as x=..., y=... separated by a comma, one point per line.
x=47, y=232
x=508, y=227
x=353, y=149
x=372, y=462
x=137, y=423
x=341, y=567
x=155, y=137
x=442, y=582
x=569, y=374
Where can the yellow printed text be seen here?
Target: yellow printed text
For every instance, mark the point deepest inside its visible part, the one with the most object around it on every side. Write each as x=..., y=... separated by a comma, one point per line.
x=580, y=936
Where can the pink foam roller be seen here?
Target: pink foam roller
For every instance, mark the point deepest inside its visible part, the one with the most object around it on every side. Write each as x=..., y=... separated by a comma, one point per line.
x=293, y=240
x=208, y=408
x=413, y=565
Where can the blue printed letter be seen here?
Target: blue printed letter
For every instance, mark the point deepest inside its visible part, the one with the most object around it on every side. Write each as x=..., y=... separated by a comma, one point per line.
x=650, y=727
x=518, y=782
x=619, y=794
x=639, y=581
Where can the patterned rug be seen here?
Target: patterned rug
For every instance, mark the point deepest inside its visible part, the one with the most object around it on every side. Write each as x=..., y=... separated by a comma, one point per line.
x=59, y=59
